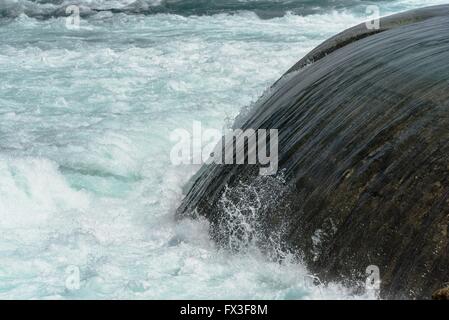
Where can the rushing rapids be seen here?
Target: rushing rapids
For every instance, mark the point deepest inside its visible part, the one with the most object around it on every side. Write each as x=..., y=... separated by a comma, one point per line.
x=363, y=126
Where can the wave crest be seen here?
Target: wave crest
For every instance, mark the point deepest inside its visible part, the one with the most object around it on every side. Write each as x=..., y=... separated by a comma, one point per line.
x=45, y=9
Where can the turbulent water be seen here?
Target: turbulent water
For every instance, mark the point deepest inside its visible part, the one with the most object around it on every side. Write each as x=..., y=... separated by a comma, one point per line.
x=85, y=119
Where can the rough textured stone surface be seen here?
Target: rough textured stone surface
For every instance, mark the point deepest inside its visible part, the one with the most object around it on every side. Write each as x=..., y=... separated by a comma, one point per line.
x=364, y=155
x=441, y=294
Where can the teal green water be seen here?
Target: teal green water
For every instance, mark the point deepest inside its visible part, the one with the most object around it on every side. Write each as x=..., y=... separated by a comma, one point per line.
x=85, y=120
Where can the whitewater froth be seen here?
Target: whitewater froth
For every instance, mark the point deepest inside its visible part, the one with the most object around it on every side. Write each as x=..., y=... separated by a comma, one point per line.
x=85, y=176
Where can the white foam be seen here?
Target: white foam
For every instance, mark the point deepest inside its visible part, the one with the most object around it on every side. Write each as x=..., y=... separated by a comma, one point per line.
x=33, y=191
x=85, y=177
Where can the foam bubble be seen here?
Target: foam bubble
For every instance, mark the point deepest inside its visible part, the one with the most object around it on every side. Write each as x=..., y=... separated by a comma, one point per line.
x=85, y=176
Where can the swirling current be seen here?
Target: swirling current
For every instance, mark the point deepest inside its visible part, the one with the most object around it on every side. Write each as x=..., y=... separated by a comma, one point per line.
x=86, y=181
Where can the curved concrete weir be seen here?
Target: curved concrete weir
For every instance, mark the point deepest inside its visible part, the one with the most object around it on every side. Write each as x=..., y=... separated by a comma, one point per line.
x=363, y=126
